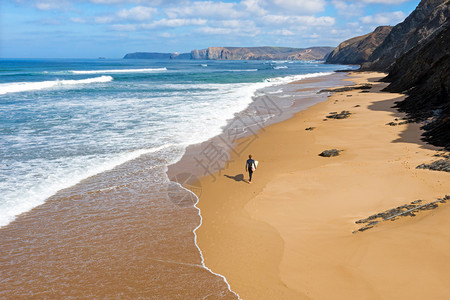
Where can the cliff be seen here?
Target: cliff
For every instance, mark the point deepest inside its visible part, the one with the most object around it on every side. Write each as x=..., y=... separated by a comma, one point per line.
x=358, y=49
x=422, y=24
x=261, y=53
x=421, y=68
x=156, y=55
x=424, y=74
x=416, y=55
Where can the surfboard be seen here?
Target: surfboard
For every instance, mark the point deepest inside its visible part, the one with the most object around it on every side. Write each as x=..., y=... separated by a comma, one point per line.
x=255, y=165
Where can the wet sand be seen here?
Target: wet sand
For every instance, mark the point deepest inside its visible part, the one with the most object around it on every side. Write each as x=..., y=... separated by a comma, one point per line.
x=123, y=234
x=288, y=235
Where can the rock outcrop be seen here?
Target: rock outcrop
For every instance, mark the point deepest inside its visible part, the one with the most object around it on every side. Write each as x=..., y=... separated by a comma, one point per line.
x=421, y=25
x=357, y=50
x=261, y=53
x=416, y=54
x=423, y=74
x=422, y=68
x=156, y=55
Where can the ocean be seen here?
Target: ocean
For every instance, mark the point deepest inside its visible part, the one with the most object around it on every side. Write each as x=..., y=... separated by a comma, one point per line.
x=84, y=150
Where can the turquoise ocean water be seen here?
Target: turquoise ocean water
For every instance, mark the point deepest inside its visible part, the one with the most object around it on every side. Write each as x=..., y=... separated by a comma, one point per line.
x=62, y=121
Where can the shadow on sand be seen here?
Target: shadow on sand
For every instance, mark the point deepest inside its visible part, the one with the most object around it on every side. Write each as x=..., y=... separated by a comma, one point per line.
x=409, y=135
x=238, y=177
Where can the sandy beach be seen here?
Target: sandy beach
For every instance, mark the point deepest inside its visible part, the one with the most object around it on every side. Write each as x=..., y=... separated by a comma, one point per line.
x=288, y=235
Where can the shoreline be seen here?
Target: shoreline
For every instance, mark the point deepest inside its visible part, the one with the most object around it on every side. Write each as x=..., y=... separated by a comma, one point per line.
x=130, y=220
x=250, y=238
x=254, y=119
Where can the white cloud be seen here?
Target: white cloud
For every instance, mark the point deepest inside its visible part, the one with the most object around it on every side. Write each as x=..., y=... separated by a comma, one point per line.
x=283, y=32
x=298, y=21
x=348, y=9
x=252, y=32
x=206, y=9
x=165, y=35
x=124, y=27
x=78, y=20
x=391, y=2
x=302, y=7
x=52, y=5
x=138, y=13
x=103, y=20
x=391, y=18
x=174, y=23
x=235, y=23
x=254, y=7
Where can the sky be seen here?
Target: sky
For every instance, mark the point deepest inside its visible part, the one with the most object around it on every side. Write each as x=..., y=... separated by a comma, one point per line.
x=112, y=28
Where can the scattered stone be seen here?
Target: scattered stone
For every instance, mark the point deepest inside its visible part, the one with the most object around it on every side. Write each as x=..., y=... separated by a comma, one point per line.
x=443, y=154
x=329, y=153
x=357, y=105
x=400, y=211
x=347, y=88
x=349, y=95
x=405, y=121
x=342, y=115
x=364, y=92
x=438, y=165
x=310, y=128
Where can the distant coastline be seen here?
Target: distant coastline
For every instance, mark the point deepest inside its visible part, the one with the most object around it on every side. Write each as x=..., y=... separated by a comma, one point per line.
x=241, y=53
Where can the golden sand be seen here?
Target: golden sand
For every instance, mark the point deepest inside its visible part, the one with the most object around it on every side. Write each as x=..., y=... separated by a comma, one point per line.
x=288, y=235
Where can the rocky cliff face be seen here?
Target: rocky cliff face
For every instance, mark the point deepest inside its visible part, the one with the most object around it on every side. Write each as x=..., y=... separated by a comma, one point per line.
x=156, y=55
x=421, y=25
x=261, y=53
x=241, y=53
x=416, y=55
x=357, y=50
x=422, y=68
x=424, y=74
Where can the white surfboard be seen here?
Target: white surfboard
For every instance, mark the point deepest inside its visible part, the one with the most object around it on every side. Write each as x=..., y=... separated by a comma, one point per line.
x=255, y=165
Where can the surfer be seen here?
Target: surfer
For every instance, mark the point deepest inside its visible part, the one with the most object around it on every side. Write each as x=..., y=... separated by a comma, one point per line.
x=250, y=166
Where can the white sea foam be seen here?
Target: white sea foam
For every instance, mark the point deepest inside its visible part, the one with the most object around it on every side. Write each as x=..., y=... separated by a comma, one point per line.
x=280, y=67
x=200, y=250
x=62, y=174
x=287, y=79
x=183, y=114
x=147, y=70
x=16, y=87
x=243, y=70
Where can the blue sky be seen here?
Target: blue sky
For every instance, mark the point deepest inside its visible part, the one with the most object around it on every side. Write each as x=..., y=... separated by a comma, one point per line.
x=112, y=28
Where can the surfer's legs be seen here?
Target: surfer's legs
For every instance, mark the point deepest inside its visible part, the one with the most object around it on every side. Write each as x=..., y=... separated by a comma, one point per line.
x=250, y=176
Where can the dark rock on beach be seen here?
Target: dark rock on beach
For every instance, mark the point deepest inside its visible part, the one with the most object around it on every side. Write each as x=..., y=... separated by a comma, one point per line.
x=393, y=214
x=342, y=115
x=438, y=165
x=347, y=89
x=330, y=153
